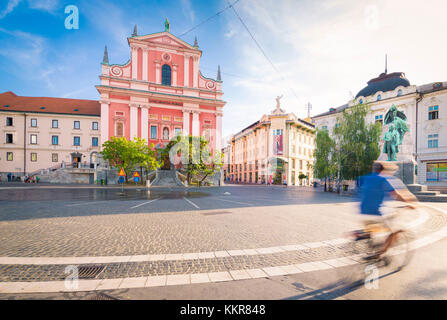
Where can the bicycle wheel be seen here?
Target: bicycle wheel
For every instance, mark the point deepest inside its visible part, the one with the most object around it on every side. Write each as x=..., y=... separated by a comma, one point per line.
x=353, y=275
x=399, y=254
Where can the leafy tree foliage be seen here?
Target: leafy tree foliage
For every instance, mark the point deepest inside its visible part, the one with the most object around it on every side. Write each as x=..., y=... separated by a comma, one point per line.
x=351, y=149
x=130, y=154
x=197, y=162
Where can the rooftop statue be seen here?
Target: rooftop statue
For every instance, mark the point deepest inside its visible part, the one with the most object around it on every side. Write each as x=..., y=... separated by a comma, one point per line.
x=397, y=121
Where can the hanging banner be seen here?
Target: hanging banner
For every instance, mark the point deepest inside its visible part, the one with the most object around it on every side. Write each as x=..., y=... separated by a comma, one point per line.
x=277, y=143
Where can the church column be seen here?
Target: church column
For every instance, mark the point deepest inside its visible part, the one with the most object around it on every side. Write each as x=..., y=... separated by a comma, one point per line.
x=133, y=120
x=218, y=130
x=134, y=63
x=195, y=123
x=145, y=68
x=144, y=122
x=195, y=68
x=186, y=122
x=157, y=71
x=174, y=75
x=186, y=71
x=104, y=121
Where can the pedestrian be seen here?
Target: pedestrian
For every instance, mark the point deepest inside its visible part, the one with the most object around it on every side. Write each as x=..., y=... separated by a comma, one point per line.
x=9, y=177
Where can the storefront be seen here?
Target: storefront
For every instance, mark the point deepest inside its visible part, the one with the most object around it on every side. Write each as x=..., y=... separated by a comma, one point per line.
x=436, y=171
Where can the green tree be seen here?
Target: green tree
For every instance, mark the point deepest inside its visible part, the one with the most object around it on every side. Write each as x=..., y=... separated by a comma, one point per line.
x=127, y=154
x=357, y=143
x=197, y=162
x=324, y=166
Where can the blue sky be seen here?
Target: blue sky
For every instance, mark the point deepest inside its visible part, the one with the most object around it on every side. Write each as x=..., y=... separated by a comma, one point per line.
x=325, y=51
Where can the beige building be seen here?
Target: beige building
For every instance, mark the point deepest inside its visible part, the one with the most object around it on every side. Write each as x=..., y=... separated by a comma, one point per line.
x=425, y=108
x=40, y=133
x=276, y=149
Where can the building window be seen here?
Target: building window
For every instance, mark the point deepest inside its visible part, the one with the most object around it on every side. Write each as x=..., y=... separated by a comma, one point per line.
x=437, y=172
x=177, y=131
x=153, y=132
x=433, y=113
x=9, y=138
x=77, y=125
x=33, y=157
x=55, y=124
x=94, y=125
x=379, y=118
x=9, y=121
x=54, y=157
x=379, y=97
x=119, y=129
x=166, y=75
x=33, y=122
x=33, y=139
x=361, y=101
x=432, y=140
x=165, y=133
x=77, y=141
x=94, y=142
x=324, y=128
x=9, y=156
x=55, y=140
x=399, y=93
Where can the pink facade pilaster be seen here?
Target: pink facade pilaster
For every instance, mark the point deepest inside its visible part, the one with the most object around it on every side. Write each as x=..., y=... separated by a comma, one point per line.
x=144, y=122
x=133, y=120
x=186, y=71
x=195, y=123
x=145, y=66
x=186, y=122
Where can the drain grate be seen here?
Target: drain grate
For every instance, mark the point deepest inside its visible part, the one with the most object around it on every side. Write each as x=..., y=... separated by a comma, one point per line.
x=212, y=213
x=89, y=272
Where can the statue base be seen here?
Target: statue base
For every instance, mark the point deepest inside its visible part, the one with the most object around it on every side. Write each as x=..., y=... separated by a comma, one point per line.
x=406, y=171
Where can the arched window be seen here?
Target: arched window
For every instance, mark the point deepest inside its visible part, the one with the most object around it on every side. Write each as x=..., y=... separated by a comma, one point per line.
x=166, y=75
x=399, y=93
x=166, y=133
x=379, y=97
x=361, y=101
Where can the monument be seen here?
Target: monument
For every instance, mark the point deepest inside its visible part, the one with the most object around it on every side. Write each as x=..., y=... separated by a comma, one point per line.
x=393, y=138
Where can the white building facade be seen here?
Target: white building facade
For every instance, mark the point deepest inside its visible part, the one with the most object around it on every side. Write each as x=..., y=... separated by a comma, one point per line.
x=426, y=109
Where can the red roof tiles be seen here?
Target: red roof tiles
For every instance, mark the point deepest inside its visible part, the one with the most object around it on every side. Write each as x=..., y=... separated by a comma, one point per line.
x=9, y=101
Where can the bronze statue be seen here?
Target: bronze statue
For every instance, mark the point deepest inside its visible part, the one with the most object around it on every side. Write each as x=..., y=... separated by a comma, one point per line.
x=397, y=121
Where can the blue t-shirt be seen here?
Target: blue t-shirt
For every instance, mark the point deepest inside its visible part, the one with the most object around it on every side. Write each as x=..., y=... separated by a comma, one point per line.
x=374, y=188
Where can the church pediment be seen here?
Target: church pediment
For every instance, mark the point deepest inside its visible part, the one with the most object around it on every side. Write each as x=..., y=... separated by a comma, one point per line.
x=164, y=38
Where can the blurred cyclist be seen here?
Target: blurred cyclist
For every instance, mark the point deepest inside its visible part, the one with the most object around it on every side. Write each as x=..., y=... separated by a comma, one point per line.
x=374, y=188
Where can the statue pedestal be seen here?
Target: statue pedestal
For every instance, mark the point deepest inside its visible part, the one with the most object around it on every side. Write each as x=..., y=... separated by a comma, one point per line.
x=405, y=171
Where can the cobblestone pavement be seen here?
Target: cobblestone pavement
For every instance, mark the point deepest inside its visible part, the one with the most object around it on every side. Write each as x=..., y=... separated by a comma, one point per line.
x=110, y=226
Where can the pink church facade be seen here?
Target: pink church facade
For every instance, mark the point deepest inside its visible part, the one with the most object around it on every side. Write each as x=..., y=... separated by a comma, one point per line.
x=159, y=93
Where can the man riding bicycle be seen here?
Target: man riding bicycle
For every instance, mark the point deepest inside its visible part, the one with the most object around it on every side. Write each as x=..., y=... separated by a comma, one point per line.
x=374, y=189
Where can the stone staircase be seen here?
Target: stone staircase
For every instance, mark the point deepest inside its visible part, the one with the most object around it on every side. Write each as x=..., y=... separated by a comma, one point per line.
x=167, y=178
x=425, y=195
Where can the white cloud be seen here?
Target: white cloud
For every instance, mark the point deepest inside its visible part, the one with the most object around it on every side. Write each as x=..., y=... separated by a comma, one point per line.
x=45, y=5
x=187, y=10
x=326, y=49
x=9, y=8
